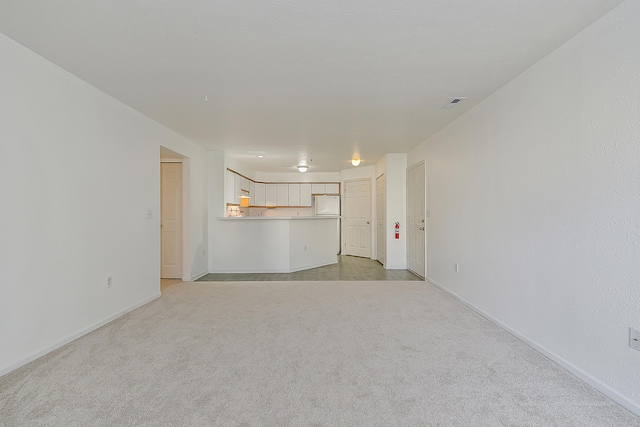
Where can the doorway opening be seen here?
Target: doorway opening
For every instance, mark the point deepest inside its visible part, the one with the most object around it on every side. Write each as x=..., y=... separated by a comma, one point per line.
x=174, y=212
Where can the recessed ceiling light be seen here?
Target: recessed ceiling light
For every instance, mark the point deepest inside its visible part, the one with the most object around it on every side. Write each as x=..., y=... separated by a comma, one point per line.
x=355, y=162
x=302, y=168
x=260, y=156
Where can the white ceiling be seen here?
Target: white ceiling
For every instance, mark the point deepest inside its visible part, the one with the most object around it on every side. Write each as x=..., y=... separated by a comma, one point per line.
x=300, y=80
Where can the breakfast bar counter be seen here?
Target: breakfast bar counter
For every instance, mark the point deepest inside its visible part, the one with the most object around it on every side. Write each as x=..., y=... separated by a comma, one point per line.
x=262, y=244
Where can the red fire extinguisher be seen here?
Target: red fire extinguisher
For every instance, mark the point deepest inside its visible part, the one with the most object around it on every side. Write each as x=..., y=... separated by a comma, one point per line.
x=397, y=230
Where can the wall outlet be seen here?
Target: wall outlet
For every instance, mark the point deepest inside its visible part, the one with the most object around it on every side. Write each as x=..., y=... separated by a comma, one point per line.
x=149, y=214
x=109, y=282
x=457, y=266
x=634, y=339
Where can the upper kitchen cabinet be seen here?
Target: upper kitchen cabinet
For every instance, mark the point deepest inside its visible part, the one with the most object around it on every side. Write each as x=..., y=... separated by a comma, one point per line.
x=230, y=191
x=242, y=186
x=318, y=188
x=332, y=188
x=258, y=195
x=271, y=198
x=282, y=196
x=294, y=195
x=237, y=192
x=305, y=194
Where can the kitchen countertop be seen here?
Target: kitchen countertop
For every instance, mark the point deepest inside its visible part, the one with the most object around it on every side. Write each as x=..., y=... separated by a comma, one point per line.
x=245, y=218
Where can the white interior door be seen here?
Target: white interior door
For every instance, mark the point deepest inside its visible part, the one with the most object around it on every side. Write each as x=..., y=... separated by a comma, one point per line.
x=380, y=220
x=416, y=232
x=358, y=218
x=171, y=220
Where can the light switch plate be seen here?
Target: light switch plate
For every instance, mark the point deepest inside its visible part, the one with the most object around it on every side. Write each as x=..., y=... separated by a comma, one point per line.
x=634, y=339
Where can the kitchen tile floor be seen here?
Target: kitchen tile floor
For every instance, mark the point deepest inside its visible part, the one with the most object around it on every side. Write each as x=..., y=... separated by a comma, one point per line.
x=347, y=268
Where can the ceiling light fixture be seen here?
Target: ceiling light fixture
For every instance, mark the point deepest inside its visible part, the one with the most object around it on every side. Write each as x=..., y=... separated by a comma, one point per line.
x=355, y=162
x=302, y=168
x=260, y=156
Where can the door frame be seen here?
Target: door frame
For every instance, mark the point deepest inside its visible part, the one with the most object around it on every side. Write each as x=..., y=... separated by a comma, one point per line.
x=424, y=210
x=343, y=203
x=186, y=212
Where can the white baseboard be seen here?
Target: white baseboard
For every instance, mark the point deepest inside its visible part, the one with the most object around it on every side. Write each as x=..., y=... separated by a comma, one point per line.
x=20, y=363
x=581, y=374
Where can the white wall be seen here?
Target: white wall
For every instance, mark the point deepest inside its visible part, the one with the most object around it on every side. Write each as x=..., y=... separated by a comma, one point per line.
x=80, y=172
x=535, y=192
x=394, y=166
x=217, y=208
x=247, y=246
x=313, y=243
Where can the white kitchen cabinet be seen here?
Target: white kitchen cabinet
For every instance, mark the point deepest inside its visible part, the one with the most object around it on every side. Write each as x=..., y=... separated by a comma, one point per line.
x=271, y=196
x=282, y=195
x=244, y=184
x=305, y=194
x=333, y=188
x=294, y=195
x=237, y=192
x=229, y=191
x=318, y=188
x=258, y=195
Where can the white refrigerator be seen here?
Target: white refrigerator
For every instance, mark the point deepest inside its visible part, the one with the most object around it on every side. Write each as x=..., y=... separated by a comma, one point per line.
x=327, y=205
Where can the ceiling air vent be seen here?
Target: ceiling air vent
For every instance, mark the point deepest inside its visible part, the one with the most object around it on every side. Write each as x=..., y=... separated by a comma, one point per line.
x=455, y=101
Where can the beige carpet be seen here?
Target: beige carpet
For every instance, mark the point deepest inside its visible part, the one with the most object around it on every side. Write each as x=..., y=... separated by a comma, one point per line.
x=301, y=354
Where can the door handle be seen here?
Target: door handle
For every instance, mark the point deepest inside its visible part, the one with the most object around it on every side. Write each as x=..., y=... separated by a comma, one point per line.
x=367, y=222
